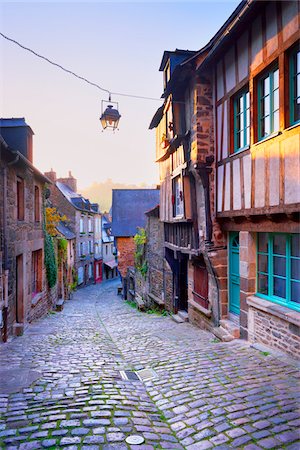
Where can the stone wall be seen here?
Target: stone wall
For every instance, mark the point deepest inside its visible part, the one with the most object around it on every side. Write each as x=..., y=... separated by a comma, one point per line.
x=168, y=287
x=126, y=249
x=247, y=276
x=215, y=252
x=155, y=255
x=275, y=332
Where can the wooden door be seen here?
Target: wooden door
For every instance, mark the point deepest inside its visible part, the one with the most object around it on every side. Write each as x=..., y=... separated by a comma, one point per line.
x=200, y=291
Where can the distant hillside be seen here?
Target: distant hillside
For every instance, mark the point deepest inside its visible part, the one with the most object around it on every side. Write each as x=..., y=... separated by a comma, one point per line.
x=101, y=193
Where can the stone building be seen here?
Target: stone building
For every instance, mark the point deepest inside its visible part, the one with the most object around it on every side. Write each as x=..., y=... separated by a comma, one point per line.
x=66, y=243
x=84, y=220
x=25, y=294
x=109, y=250
x=128, y=214
x=228, y=150
x=154, y=288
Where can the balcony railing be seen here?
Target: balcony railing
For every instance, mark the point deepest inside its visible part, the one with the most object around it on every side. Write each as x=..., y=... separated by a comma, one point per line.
x=181, y=235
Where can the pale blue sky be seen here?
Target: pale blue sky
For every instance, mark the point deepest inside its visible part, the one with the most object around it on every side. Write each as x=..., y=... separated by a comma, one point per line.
x=118, y=45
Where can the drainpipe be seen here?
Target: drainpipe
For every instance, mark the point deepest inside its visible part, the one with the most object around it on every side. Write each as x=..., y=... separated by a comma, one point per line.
x=204, y=169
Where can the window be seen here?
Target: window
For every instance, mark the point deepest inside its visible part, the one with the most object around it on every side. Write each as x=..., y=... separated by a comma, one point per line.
x=90, y=225
x=241, y=111
x=278, y=268
x=81, y=227
x=90, y=247
x=90, y=270
x=167, y=74
x=178, y=196
x=36, y=272
x=268, y=103
x=37, y=216
x=106, y=249
x=295, y=86
x=82, y=249
x=20, y=198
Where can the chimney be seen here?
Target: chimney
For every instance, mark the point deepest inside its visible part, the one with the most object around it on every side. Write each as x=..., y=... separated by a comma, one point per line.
x=18, y=136
x=51, y=175
x=69, y=181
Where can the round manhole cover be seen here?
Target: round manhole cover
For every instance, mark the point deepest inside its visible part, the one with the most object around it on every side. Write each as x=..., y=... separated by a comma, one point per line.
x=135, y=439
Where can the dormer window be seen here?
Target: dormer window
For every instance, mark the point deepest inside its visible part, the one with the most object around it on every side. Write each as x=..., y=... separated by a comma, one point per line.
x=178, y=210
x=167, y=74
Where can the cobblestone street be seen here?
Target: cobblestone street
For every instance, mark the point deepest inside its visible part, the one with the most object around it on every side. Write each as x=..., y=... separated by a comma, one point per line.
x=206, y=394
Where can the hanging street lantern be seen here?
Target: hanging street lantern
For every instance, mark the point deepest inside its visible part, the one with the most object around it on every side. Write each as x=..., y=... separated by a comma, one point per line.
x=110, y=116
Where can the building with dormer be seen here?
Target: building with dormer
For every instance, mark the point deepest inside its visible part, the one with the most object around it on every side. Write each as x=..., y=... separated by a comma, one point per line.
x=84, y=219
x=24, y=293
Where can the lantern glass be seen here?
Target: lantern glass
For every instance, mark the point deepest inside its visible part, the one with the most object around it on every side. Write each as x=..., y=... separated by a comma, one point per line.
x=110, y=117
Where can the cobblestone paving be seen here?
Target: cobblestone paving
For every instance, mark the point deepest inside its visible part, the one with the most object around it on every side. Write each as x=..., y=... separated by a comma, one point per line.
x=206, y=394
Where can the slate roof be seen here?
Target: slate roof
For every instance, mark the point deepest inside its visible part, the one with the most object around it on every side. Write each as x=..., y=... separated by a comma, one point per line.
x=14, y=122
x=76, y=199
x=128, y=209
x=65, y=231
x=22, y=159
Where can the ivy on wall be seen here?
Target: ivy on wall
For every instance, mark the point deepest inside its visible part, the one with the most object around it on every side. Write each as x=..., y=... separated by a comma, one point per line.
x=50, y=260
x=49, y=251
x=140, y=240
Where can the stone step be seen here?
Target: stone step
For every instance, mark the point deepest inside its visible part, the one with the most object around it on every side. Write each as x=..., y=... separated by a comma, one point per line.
x=222, y=334
x=177, y=318
x=140, y=302
x=60, y=304
x=183, y=315
x=231, y=327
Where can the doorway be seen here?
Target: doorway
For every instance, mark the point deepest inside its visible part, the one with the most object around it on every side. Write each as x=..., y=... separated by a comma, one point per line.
x=234, y=273
x=19, y=289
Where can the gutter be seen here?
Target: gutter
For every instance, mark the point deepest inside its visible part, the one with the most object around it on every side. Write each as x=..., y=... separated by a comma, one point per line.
x=227, y=31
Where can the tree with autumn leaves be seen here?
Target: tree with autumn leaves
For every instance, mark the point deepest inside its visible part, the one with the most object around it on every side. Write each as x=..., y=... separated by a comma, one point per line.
x=52, y=220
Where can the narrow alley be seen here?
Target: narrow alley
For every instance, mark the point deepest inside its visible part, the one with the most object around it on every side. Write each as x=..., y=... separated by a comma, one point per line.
x=61, y=385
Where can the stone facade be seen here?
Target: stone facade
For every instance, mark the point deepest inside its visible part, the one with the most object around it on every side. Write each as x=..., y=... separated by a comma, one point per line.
x=155, y=289
x=212, y=242
x=274, y=326
x=22, y=243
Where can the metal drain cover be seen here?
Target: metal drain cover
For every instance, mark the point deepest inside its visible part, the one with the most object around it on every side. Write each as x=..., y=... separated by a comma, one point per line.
x=134, y=439
x=146, y=374
x=138, y=375
x=129, y=375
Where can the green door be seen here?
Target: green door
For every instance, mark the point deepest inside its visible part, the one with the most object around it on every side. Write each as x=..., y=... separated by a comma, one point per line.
x=234, y=273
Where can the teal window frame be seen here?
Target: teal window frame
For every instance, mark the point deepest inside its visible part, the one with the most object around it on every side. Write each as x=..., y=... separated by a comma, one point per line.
x=294, y=73
x=269, y=74
x=246, y=123
x=270, y=271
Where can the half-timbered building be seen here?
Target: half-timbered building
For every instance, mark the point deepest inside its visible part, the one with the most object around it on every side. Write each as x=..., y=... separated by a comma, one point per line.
x=194, y=245
x=255, y=68
x=228, y=150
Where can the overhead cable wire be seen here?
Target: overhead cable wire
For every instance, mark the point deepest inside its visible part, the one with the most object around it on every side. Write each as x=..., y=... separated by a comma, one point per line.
x=75, y=74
